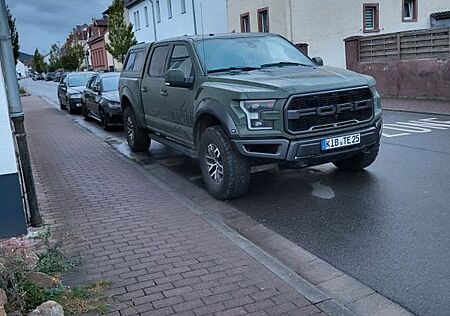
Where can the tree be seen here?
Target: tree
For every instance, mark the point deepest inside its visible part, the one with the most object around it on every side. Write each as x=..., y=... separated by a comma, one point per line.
x=14, y=34
x=74, y=55
x=121, y=35
x=38, y=62
x=54, y=61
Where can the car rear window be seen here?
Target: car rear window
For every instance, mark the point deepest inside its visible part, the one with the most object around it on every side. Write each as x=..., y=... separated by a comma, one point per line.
x=135, y=61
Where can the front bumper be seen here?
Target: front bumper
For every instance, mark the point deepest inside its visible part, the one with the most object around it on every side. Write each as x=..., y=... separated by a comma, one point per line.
x=307, y=151
x=75, y=103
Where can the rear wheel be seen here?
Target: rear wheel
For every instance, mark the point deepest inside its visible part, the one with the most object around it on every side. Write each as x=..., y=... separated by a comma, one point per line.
x=226, y=173
x=360, y=161
x=104, y=120
x=137, y=138
x=85, y=112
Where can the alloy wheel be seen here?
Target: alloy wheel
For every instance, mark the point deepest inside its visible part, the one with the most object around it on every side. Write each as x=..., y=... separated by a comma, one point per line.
x=214, y=163
x=130, y=130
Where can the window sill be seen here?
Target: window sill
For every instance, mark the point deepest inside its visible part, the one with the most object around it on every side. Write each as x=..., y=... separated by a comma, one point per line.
x=371, y=31
x=409, y=20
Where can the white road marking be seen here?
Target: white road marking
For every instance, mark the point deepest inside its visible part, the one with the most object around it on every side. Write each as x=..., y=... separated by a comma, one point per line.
x=415, y=127
x=322, y=191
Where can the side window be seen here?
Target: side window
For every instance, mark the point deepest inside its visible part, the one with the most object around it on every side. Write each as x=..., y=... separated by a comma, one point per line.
x=157, y=62
x=90, y=84
x=139, y=61
x=180, y=59
x=129, y=65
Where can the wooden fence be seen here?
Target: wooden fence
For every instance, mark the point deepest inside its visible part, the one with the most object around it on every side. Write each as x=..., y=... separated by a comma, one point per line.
x=405, y=45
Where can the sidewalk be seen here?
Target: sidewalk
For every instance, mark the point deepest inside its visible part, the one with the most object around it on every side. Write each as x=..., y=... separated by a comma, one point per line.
x=416, y=105
x=162, y=258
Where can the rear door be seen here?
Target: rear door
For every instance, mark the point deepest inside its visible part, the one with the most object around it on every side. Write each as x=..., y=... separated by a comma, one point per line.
x=152, y=89
x=89, y=92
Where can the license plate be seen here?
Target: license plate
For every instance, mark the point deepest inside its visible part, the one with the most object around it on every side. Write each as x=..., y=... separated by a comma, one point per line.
x=338, y=142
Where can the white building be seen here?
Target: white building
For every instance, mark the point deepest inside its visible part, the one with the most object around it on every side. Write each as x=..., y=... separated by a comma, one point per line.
x=324, y=24
x=12, y=216
x=21, y=70
x=160, y=19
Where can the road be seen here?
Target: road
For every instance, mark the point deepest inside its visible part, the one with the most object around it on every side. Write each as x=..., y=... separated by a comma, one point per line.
x=388, y=226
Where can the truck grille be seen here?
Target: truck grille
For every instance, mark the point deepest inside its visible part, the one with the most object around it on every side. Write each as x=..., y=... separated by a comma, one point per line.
x=329, y=110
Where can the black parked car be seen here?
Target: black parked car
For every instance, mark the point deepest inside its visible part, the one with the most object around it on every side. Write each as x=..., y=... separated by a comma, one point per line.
x=70, y=90
x=57, y=77
x=49, y=76
x=101, y=100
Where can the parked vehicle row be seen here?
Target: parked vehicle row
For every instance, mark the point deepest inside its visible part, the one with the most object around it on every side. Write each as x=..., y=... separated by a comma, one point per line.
x=93, y=94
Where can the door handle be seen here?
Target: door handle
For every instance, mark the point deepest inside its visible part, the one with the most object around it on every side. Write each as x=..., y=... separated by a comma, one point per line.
x=144, y=89
x=164, y=93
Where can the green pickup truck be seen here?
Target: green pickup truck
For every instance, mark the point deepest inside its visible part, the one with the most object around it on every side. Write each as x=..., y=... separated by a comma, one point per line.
x=238, y=100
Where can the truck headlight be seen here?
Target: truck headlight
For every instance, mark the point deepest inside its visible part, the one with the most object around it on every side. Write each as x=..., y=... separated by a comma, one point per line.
x=253, y=110
x=376, y=101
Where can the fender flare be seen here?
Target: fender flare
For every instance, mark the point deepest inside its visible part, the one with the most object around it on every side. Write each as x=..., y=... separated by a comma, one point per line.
x=135, y=105
x=219, y=111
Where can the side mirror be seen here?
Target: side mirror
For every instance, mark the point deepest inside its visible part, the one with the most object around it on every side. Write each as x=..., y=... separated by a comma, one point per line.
x=175, y=78
x=95, y=88
x=318, y=61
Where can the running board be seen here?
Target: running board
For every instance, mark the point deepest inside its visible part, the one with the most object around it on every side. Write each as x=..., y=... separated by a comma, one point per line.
x=174, y=145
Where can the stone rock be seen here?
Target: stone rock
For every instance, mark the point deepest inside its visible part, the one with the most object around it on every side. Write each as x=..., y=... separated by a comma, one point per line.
x=15, y=314
x=3, y=298
x=41, y=279
x=49, y=308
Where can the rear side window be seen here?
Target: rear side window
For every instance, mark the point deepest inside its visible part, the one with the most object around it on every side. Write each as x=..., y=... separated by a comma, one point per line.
x=129, y=65
x=158, y=61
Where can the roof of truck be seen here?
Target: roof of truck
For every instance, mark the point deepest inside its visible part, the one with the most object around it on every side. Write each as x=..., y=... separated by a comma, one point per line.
x=196, y=38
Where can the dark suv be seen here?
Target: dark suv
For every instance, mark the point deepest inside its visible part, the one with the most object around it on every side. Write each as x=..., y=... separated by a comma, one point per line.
x=240, y=99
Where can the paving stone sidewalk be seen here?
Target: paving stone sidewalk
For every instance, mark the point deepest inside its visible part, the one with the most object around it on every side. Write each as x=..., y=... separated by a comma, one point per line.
x=417, y=105
x=162, y=258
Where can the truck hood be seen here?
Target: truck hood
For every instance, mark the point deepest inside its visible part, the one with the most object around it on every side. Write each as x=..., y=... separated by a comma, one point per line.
x=285, y=81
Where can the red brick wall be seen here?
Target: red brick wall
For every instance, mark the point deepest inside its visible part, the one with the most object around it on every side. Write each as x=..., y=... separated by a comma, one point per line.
x=98, y=56
x=417, y=78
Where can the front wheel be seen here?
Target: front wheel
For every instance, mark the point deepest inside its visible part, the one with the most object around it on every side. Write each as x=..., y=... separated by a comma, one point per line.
x=104, y=120
x=85, y=112
x=137, y=138
x=226, y=173
x=359, y=161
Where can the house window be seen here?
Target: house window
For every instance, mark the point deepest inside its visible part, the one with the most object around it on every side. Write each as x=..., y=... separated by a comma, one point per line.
x=263, y=20
x=158, y=12
x=169, y=8
x=409, y=11
x=183, y=6
x=245, y=22
x=138, y=20
x=371, y=17
x=146, y=16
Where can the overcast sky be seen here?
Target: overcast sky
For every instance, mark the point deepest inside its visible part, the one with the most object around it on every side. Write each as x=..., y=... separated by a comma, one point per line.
x=41, y=23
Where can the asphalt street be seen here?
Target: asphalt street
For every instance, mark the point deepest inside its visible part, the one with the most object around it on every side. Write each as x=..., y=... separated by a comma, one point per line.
x=387, y=226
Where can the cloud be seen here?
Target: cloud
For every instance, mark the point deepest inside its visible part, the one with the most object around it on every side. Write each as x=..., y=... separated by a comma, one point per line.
x=41, y=23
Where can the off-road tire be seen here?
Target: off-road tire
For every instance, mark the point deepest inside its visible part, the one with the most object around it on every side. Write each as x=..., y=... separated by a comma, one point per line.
x=360, y=161
x=140, y=142
x=236, y=168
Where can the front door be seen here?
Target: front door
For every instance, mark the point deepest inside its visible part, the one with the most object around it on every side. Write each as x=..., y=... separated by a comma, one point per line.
x=152, y=89
x=179, y=106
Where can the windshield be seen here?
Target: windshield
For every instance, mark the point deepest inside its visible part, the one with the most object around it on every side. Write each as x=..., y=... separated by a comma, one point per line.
x=79, y=80
x=249, y=53
x=110, y=83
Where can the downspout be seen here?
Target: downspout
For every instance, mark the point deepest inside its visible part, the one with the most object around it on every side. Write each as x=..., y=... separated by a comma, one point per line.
x=16, y=114
x=290, y=21
x=194, y=17
x=154, y=20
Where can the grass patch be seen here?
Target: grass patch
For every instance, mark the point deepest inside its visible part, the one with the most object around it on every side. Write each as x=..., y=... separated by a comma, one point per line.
x=24, y=296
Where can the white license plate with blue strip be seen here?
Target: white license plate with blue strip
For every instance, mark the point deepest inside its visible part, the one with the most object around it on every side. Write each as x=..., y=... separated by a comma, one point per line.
x=339, y=142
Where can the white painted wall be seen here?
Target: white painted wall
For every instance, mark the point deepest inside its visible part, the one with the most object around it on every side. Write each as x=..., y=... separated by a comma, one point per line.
x=7, y=155
x=324, y=24
x=21, y=69
x=210, y=16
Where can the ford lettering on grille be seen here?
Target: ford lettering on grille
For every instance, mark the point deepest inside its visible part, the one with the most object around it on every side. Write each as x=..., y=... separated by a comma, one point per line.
x=329, y=110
